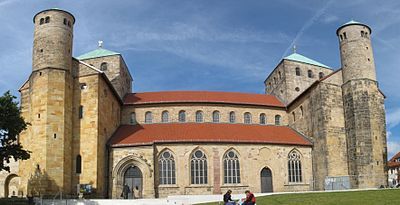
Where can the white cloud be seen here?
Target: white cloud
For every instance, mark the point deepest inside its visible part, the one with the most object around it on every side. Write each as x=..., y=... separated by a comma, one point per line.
x=393, y=148
x=393, y=117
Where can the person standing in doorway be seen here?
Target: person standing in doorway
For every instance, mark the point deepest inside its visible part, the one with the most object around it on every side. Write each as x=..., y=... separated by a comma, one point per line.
x=125, y=191
x=136, y=193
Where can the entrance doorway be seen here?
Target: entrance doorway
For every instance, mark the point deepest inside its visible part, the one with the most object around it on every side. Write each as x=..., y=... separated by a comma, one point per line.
x=266, y=180
x=133, y=178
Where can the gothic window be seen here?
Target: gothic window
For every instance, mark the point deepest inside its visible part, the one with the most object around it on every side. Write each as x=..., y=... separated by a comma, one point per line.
x=310, y=73
x=199, y=116
x=103, y=66
x=47, y=19
x=294, y=167
x=198, y=168
x=278, y=120
x=80, y=112
x=164, y=116
x=231, y=168
x=148, y=117
x=232, y=117
x=166, y=166
x=247, y=118
x=263, y=119
x=216, y=116
x=41, y=21
x=182, y=116
x=78, y=167
x=132, y=119
x=298, y=71
x=321, y=75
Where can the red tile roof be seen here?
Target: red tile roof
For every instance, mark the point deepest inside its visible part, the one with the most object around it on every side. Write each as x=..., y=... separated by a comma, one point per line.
x=392, y=163
x=147, y=134
x=202, y=97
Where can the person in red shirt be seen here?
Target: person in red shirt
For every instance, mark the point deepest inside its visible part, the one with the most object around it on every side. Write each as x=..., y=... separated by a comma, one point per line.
x=250, y=198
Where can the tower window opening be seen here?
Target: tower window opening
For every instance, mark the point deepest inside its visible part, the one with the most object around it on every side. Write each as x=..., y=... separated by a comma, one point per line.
x=41, y=50
x=297, y=89
x=47, y=19
x=341, y=37
x=78, y=167
x=69, y=23
x=280, y=75
x=366, y=47
x=362, y=34
x=298, y=71
x=310, y=74
x=301, y=111
x=55, y=135
x=38, y=115
x=321, y=75
x=65, y=21
x=41, y=21
x=369, y=59
x=103, y=66
x=294, y=116
x=80, y=112
x=344, y=35
x=40, y=73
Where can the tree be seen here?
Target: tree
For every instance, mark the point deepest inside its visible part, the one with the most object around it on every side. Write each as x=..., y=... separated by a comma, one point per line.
x=11, y=125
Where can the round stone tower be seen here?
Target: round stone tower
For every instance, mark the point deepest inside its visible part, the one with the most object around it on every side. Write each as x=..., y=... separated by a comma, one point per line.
x=363, y=108
x=52, y=42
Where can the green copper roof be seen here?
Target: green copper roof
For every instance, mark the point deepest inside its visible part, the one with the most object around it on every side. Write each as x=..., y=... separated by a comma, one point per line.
x=351, y=22
x=100, y=52
x=300, y=58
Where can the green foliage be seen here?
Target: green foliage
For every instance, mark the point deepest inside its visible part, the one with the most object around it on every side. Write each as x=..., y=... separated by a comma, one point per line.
x=11, y=125
x=377, y=197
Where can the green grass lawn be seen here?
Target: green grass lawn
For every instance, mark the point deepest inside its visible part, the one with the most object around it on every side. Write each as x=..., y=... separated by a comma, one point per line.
x=378, y=197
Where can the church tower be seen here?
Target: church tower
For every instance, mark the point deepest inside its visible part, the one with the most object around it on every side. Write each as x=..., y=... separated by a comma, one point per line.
x=363, y=106
x=49, y=103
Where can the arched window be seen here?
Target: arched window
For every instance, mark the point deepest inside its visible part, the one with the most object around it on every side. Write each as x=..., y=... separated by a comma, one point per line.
x=148, y=117
x=278, y=120
x=103, y=66
x=65, y=21
x=294, y=116
x=166, y=166
x=47, y=19
x=69, y=23
x=274, y=80
x=294, y=167
x=301, y=111
x=231, y=168
x=199, y=116
x=247, y=118
x=321, y=75
x=164, y=116
x=216, y=116
x=133, y=118
x=298, y=73
x=232, y=117
x=80, y=112
x=78, y=167
x=198, y=168
x=41, y=21
x=280, y=75
x=182, y=116
x=310, y=74
x=263, y=119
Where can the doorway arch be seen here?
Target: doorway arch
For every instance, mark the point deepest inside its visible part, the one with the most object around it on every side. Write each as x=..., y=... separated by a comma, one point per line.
x=11, y=185
x=133, y=177
x=266, y=180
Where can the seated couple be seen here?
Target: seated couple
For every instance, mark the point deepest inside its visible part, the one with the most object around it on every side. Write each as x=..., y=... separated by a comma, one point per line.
x=249, y=200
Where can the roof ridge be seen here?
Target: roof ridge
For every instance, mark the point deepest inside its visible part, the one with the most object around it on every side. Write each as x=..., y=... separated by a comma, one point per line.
x=99, y=52
x=301, y=58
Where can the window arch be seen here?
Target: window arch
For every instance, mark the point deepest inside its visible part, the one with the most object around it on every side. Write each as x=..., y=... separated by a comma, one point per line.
x=310, y=73
x=78, y=167
x=182, y=116
x=103, y=66
x=294, y=167
x=321, y=75
x=47, y=19
x=132, y=119
x=298, y=73
x=247, y=118
x=198, y=168
x=231, y=168
x=165, y=116
x=216, y=116
x=294, y=116
x=166, y=167
x=148, y=117
x=232, y=117
x=41, y=21
x=278, y=120
x=199, y=116
x=263, y=119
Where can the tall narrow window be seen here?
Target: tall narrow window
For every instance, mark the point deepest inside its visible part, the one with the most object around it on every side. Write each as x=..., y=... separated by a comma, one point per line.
x=182, y=116
x=310, y=73
x=298, y=73
x=41, y=21
x=301, y=111
x=294, y=116
x=294, y=167
x=362, y=34
x=247, y=118
x=199, y=116
x=280, y=75
x=80, y=112
x=198, y=168
x=47, y=19
x=133, y=118
x=231, y=168
x=164, y=116
x=215, y=116
x=78, y=166
x=103, y=66
x=65, y=21
x=232, y=117
x=274, y=80
x=278, y=120
x=344, y=35
x=148, y=117
x=321, y=75
x=263, y=119
x=166, y=166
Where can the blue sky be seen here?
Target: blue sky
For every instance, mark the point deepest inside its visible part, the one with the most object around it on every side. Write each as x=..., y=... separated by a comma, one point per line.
x=210, y=45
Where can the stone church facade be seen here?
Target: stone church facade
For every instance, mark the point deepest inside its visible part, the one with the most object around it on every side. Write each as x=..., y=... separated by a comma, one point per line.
x=313, y=126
